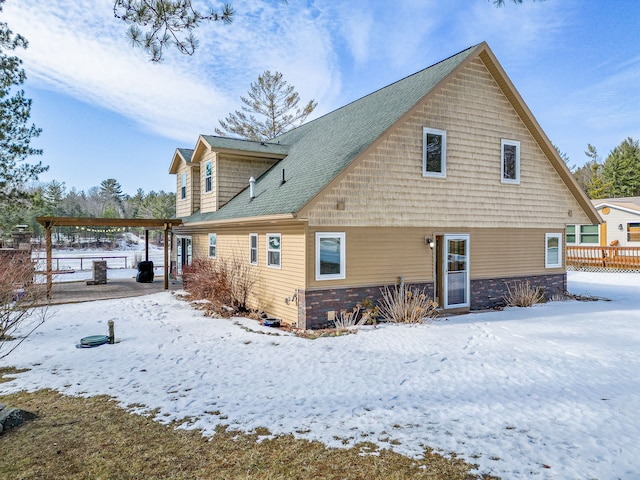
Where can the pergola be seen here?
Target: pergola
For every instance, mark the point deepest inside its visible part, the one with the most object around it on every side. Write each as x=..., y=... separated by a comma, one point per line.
x=147, y=223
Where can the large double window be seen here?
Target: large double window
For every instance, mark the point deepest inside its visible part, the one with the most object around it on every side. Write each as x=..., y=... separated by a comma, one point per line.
x=583, y=234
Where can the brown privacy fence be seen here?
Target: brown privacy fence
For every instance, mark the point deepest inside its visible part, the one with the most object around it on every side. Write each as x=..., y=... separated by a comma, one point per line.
x=597, y=257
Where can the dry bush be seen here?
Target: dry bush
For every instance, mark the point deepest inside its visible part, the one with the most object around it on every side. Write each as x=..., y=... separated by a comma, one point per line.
x=402, y=304
x=522, y=294
x=227, y=285
x=350, y=321
x=18, y=298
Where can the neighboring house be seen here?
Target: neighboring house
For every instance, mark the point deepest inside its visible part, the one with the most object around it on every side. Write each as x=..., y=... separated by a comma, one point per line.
x=621, y=218
x=443, y=180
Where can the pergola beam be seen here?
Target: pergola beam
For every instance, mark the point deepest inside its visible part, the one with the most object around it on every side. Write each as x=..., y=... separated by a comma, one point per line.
x=165, y=224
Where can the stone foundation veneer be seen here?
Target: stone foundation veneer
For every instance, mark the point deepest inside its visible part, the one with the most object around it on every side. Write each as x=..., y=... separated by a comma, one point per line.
x=314, y=305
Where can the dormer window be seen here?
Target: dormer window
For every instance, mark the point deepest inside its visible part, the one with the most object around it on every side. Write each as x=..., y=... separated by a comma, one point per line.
x=208, y=173
x=183, y=188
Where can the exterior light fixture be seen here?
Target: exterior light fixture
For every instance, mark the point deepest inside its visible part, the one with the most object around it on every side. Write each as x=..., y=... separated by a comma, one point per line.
x=620, y=227
x=429, y=241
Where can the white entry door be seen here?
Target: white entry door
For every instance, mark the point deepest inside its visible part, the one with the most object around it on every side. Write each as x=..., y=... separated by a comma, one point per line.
x=456, y=271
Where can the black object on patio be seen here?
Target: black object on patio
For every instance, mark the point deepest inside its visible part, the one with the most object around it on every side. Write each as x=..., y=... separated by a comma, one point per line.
x=145, y=272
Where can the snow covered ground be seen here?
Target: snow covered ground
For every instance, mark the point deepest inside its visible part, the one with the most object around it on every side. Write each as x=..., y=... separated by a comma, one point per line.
x=551, y=391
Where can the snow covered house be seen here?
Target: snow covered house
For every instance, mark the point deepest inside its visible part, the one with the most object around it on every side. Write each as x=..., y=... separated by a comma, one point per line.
x=443, y=179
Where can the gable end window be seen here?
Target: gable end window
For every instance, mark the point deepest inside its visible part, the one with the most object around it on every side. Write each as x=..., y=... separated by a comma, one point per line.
x=208, y=181
x=330, y=256
x=274, y=250
x=213, y=241
x=510, y=161
x=553, y=250
x=434, y=152
x=183, y=187
x=253, y=248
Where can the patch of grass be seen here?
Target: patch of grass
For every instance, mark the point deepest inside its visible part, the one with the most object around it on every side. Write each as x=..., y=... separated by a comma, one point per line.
x=94, y=438
x=9, y=371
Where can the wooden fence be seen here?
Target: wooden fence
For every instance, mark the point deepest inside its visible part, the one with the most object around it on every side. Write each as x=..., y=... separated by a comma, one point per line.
x=620, y=258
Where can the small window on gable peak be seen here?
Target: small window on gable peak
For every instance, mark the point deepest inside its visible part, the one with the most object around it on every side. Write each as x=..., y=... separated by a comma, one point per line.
x=510, y=160
x=434, y=152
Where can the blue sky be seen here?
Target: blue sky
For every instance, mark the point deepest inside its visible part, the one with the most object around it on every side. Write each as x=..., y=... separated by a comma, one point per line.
x=107, y=112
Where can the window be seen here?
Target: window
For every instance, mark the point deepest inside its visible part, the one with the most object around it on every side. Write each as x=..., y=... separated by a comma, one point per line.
x=571, y=234
x=208, y=169
x=330, y=256
x=589, y=234
x=553, y=250
x=213, y=240
x=183, y=188
x=434, y=152
x=633, y=232
x=253, y=248
x=510, y=161
x=274, y=250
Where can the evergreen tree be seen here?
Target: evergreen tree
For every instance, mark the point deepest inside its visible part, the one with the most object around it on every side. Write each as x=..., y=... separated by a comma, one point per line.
x=111, y=192
x=621, y=169
x=276, y=104
x=15, y=131
x=166, y=23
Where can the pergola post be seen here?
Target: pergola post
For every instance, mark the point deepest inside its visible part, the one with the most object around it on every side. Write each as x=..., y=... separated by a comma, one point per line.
x=146, y=245
x=47, y=236
x=166, y=256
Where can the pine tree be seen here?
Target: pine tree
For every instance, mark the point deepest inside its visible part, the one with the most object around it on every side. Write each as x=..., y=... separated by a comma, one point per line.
x=276, y=104
x=15, y=131
x=621, y=169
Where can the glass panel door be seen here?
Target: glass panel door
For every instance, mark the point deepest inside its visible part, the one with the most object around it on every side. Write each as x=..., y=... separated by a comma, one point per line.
x=456, y=271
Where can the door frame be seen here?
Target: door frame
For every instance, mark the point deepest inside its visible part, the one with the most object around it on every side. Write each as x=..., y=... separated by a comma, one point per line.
x=183, y=241
x=441, y=276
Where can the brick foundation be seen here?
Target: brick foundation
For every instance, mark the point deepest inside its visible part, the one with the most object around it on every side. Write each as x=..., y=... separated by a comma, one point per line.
x=314, y=305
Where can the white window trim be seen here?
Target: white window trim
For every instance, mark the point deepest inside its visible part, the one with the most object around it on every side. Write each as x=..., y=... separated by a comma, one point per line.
x=515, y=143
x=343, y=260
x=183, y=186
x=547, y=236
x=443, y=161
x=252, y=236
x=210, y=162
x=215, y=245
x=279, y=266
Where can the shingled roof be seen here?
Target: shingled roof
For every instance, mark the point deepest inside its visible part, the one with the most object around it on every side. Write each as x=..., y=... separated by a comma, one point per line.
x=320, y=149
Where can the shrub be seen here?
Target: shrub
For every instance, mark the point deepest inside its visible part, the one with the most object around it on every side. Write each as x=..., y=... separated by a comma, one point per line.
x=227, y=285
x=522, y=294
x=18, y=298
x=352, y=320
x=402, y=304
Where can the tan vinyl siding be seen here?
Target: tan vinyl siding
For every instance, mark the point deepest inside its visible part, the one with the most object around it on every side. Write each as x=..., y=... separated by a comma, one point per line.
x=234, y=172
x=510, y=252
x=188, y=205
x=377, y=256
x=386, y=186
x=273, y=285
x=209, y=199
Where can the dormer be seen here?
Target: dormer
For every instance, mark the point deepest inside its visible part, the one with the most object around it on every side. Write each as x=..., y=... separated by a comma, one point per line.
x=187, y=182
x=227, y=164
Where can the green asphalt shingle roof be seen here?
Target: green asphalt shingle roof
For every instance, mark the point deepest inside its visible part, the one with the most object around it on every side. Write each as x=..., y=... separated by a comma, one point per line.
x=186, y=153
x=272, y=147
x=319, y=150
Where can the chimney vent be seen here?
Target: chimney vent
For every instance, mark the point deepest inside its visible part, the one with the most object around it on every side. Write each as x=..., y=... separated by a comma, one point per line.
x=252, y=187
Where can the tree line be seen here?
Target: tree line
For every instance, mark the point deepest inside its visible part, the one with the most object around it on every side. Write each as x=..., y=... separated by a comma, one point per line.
x=106, y=200
x=617, y=176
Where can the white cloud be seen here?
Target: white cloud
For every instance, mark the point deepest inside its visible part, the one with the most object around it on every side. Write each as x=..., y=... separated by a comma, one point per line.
x=77, y=47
